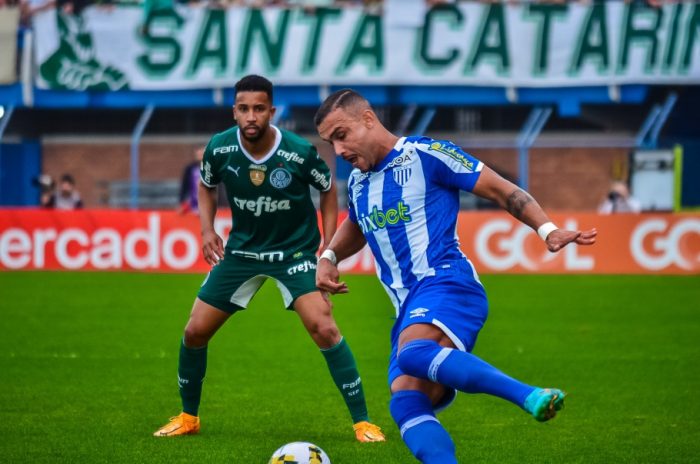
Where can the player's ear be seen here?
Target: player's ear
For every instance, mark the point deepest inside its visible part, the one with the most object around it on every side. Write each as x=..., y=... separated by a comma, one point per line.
x=368, y=118
x=273, y=109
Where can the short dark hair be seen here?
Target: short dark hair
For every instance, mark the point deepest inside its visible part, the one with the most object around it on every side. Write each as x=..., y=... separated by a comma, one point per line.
x=254, y=83
x=342, y=98
x=68, y=178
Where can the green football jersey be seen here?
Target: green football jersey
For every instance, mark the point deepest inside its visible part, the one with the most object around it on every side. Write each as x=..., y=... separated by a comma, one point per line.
x=273, y=216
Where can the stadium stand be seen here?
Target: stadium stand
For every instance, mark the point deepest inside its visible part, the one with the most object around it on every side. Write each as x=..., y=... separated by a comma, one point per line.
x=82, y=102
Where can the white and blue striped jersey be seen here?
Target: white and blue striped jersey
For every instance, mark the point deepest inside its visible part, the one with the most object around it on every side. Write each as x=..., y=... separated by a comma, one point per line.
x=407, y=208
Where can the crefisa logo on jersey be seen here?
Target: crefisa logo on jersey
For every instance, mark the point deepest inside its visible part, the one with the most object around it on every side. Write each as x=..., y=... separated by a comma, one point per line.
x=280, y=178
x=321, y=179
x=290, y=156
x=207, y=172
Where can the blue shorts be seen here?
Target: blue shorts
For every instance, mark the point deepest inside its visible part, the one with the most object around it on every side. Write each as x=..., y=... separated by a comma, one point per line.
x=453, y=300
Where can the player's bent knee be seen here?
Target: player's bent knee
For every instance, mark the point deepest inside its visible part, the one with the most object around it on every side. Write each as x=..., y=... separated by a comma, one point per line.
x=416, y=357
x=194, y=337
x=325, y=334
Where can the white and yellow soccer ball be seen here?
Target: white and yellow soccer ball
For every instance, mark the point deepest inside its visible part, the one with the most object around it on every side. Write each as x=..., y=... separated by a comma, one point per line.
x=299, y=452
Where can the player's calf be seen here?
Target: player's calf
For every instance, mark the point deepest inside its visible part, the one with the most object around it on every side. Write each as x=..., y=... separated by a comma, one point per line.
x=422, y=432
x=460, y=370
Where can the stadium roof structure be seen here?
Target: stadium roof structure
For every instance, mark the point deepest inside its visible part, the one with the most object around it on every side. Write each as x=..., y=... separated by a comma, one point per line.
x=567, y=100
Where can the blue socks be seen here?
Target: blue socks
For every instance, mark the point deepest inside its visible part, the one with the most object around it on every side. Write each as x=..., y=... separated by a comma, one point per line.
x=463, y=371
x=420, y=430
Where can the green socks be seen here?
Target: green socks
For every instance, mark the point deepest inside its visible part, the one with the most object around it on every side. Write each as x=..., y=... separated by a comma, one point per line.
x=341, y=364
x=190, y=375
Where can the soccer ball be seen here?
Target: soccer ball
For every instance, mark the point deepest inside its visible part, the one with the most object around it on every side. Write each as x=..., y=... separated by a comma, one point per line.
x=299, y=452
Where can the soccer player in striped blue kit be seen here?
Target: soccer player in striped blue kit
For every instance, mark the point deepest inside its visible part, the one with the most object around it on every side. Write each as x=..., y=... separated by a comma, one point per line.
x=403, y=202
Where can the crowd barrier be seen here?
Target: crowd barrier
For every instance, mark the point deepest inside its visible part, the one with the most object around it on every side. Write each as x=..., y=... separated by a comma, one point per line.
x=165, y=241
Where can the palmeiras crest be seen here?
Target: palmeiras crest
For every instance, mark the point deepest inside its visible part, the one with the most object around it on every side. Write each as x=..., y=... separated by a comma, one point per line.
x=280, y=178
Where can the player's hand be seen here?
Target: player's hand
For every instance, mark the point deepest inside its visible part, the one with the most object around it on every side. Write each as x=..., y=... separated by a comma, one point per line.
x=212, y=247
x=559, y=238
x=327, y=298
x=327, y=278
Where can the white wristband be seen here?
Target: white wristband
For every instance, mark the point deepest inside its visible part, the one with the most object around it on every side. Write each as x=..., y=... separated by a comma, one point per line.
x=545, y=229
x=329, y=255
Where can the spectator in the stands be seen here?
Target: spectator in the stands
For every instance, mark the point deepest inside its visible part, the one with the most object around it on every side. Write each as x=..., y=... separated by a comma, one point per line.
x=619, y=200
x=29, y=8
x=190, y=183
x=66, y=196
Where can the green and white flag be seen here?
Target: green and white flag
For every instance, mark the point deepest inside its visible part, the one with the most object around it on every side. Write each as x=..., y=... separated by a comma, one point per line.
x=483, y=44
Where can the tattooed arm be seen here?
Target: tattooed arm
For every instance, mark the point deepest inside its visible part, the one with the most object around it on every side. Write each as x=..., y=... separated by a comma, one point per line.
x=524, y=208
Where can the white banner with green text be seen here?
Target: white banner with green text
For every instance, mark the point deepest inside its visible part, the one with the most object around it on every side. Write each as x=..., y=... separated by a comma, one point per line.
x=483, y=44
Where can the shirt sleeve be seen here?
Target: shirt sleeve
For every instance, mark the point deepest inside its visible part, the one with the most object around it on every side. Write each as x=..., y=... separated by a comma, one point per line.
x=449, y=165
x=209, y=169
x=318, y=174
x=352, y=213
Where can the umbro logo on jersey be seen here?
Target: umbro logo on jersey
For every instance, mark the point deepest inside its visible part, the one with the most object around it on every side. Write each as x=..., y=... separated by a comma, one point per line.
x=235, y=171
x=356, y=191
x=224, y=150
x=418, y=312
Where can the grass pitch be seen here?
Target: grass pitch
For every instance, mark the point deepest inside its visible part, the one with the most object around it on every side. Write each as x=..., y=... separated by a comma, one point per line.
x=88, y=371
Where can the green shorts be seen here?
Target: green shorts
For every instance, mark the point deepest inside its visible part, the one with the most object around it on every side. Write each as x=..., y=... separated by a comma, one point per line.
x=232, y=283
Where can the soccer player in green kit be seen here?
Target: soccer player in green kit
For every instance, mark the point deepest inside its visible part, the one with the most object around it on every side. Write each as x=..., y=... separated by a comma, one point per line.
x=267, y=173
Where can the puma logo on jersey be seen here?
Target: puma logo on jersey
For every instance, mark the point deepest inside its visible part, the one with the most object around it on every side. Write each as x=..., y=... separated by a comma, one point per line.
x=235, y=171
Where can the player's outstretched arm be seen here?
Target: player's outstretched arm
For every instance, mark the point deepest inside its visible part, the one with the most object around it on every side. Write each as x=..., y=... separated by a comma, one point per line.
x=524, y=208
x=212, y=245
x=346, y=242
x=329, y=214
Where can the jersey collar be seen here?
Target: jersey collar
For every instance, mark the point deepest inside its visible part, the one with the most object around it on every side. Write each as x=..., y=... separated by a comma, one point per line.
x=396, y=151
x=278, y=140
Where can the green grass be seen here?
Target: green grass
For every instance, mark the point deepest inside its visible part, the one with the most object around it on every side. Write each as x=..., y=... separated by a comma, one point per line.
x=88, y=371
